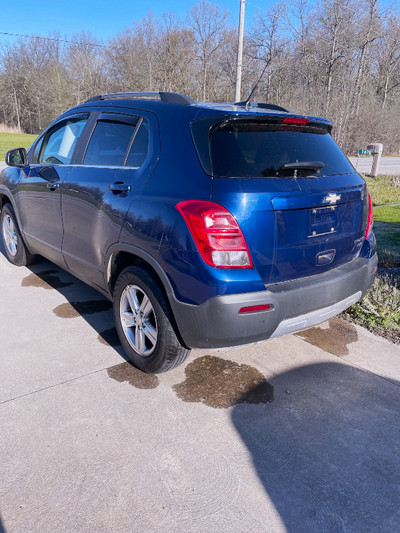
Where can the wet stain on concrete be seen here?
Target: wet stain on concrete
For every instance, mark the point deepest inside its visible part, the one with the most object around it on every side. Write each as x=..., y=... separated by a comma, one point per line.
x=137, y=378
x=334, y=340
x=46, y=279
x=220, y=383
x=109, y=337
x=75, y=309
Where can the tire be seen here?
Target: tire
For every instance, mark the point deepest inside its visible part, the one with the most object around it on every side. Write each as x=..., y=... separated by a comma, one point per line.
x=16, y=251
x=144, y=323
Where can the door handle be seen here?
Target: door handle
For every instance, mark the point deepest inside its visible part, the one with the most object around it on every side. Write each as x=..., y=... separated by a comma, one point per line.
x=52, y=186
x=119, y=187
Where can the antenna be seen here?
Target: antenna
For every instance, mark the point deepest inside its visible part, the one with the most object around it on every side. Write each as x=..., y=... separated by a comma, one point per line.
x=256, y=85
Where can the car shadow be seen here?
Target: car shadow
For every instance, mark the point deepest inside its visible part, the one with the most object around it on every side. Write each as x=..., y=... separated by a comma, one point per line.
x=81, y=300
x=326, y=449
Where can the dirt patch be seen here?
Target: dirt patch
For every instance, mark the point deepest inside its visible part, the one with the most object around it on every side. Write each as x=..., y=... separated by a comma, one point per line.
x=334, y=340
x=46, y=279
x=75, y=309
x=220, y=383
x=136, y=378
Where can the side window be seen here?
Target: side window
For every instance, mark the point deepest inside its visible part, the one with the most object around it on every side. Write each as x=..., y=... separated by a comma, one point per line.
x=59, y=143
x=140, y=146
x=109, y=143
x=38, y=147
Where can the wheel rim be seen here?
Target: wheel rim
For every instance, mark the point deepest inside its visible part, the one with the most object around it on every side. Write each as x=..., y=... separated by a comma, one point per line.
x=138, y=320
x=10, y=235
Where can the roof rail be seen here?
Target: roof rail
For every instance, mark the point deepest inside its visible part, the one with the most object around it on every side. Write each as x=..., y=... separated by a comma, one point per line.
x=172, y=98
x=264, y=106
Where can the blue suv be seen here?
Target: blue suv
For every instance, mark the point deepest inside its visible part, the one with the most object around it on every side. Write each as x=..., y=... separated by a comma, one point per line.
x=207, y=225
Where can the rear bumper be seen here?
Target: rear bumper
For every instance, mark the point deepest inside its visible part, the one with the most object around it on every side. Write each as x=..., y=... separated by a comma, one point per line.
x=294, y=305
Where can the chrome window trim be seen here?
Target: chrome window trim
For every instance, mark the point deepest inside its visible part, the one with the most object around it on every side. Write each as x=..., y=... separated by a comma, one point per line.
x=84, y=166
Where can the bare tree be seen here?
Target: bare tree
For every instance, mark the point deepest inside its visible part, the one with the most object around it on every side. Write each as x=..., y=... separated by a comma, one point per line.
x=175, y=56
x=208, y=24
x=388, y=60
x=334, y=33
x=30, y=81
x=86, y=63
x=368, y=32
x=132, y=54
x=266, y=48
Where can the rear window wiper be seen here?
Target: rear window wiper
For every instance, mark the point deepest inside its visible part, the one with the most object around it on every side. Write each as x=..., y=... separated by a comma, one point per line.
x=291, y=170
x=303, y=165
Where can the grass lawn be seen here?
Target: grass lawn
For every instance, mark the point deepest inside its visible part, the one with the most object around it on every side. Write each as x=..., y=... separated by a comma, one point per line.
x=384, y=189
x=14, y=140
x=387, y=233
x=387, y=213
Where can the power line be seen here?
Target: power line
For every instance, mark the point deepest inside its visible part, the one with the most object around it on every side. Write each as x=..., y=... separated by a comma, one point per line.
x=51, y=39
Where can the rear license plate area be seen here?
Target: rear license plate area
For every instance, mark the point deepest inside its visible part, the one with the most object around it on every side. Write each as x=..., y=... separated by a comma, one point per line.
x=323, y=221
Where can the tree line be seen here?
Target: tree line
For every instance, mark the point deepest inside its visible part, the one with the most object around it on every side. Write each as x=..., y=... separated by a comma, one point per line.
x=336, y=58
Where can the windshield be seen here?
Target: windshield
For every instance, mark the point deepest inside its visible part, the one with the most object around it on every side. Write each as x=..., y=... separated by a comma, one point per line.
x=262, y=149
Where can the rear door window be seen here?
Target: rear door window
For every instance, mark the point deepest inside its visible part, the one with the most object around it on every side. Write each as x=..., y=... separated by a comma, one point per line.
x=140, y=146
x=118, y=142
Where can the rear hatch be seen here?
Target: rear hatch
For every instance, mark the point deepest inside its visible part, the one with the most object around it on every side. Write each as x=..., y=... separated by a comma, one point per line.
x=300, y=204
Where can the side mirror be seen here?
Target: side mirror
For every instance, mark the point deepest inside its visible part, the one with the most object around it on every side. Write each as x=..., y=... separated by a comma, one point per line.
x=17, y=158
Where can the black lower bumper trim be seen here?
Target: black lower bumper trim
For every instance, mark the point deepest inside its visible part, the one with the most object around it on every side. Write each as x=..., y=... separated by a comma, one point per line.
x=217, y=323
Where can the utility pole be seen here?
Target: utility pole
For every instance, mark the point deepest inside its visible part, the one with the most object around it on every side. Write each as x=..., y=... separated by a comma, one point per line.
x=240, y=53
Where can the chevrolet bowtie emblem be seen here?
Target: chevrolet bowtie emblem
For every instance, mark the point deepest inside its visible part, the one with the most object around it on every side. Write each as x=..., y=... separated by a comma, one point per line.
x=332, y=198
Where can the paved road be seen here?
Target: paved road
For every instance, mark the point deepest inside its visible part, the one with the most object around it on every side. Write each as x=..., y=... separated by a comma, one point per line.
x=299, y=434
x=388, y=165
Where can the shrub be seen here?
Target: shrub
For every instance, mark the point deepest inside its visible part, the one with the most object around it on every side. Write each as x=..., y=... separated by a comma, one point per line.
x=380, y=308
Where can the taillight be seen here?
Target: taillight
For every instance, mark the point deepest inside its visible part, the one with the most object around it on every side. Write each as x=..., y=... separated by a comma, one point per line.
x=216, y=233
x=296, y=121
x=370, y=220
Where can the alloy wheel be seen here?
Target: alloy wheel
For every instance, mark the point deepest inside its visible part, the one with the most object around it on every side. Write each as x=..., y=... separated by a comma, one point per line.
x=138, y=320
x=10, y=235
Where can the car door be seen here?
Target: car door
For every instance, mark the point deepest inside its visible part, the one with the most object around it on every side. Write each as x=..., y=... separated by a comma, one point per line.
x=98, y=192
x=38, y=197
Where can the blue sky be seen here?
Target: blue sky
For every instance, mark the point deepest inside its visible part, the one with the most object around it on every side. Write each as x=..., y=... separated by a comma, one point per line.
x=102, y=18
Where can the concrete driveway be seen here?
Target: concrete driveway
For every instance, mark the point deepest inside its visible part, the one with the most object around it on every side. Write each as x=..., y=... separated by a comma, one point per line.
x=298, y=434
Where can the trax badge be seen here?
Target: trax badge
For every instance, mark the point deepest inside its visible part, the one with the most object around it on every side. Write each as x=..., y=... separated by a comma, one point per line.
x=332, y=198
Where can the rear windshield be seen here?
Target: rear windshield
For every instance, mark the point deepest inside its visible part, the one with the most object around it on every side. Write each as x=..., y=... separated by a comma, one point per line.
x=261, y=149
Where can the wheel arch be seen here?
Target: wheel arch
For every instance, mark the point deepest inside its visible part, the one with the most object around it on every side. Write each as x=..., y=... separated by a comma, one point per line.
x=4, y=199
x=121, y=256
x=7, y=198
